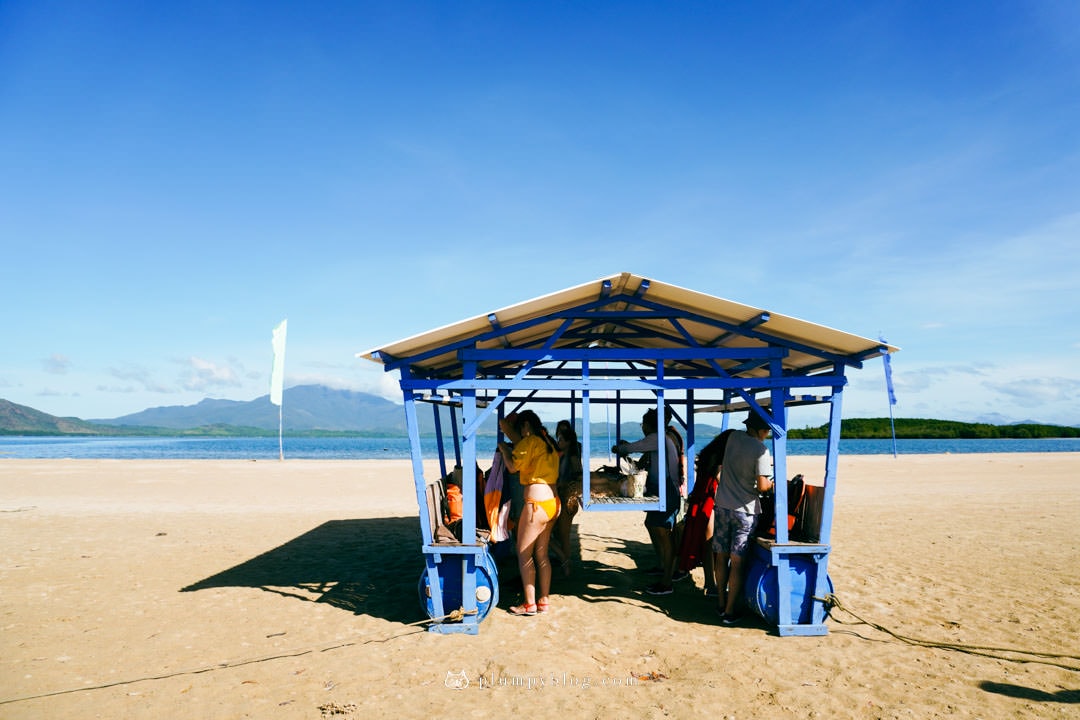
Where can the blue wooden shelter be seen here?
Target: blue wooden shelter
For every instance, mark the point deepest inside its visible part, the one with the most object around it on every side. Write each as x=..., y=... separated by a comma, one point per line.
x=611, y=344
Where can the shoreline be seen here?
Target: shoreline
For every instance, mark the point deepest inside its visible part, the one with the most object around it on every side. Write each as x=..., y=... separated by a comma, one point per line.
x=266, y=449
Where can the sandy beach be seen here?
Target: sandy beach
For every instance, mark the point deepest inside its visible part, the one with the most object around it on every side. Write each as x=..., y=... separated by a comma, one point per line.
x=239, y=589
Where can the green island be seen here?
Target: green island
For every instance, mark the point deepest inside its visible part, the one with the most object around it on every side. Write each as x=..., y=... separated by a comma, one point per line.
x=926, y=429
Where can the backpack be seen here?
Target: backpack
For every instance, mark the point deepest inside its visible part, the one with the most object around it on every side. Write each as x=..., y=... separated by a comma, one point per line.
x=766, y=527
x=676, y=440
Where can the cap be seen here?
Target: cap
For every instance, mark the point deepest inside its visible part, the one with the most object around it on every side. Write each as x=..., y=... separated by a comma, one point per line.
x=754, y=421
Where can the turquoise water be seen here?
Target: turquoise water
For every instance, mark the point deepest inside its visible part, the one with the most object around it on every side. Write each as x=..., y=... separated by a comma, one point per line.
x=394, y=448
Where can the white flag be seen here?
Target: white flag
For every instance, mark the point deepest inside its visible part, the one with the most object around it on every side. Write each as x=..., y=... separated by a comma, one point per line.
x=277, y=375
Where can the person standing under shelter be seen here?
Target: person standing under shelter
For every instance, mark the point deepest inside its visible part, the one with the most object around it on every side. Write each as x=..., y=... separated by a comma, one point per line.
x=659, y=523
x=744, y=474
x=696, y=546
x=535, y=457
x=568, y=489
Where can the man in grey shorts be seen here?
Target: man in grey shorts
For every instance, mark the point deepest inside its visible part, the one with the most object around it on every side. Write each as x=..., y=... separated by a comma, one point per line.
x=745, y=473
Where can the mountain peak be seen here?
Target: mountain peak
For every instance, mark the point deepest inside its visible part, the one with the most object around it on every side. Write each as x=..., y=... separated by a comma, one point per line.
x=15, y=418
x=304, y=407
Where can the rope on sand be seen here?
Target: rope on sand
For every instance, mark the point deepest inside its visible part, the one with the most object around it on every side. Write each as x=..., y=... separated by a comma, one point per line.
x=832, y=602
x=453, y=616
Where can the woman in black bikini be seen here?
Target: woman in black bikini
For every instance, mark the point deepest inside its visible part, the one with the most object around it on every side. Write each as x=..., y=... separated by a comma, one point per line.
x=569, y=489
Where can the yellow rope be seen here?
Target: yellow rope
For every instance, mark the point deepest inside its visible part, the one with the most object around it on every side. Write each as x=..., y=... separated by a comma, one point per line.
x=453, y=616
x=833, y=602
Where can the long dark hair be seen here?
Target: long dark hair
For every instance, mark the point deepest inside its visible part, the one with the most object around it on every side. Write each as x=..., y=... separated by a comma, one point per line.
x=565, y=429
x=528, y=417
x=711, y=456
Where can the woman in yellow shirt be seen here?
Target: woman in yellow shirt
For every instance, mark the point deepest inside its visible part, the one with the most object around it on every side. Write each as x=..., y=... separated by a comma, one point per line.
x=535, y=457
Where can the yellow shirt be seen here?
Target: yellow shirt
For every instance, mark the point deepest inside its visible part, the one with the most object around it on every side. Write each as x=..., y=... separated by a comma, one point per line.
x=534, y=463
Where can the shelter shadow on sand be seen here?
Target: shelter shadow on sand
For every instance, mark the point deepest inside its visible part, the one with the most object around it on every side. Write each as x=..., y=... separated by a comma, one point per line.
x=589, y=579
x=1026, y=693
x=368, y=567
x=596, y=582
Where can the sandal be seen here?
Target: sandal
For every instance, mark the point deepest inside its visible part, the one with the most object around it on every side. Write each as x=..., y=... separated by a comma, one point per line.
x=542, y=606
x=524, y=609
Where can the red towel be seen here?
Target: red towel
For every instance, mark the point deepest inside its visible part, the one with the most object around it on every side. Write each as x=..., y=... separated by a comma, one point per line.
x=699, y=510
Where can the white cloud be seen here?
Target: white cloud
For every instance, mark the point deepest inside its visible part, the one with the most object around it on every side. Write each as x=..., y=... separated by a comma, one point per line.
x=56, y=364
x=365, y=377
x=203, y=375
x=134, y=374
x=1043, y=390
x=388, y=387
x=1039, y=391
x=920, y=379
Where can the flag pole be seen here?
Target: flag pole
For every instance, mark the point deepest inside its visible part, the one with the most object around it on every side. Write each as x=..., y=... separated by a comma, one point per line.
x=277, y=380
x=892, y=395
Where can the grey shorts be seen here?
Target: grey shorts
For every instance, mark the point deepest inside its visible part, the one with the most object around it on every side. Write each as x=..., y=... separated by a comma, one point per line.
x=731, y=531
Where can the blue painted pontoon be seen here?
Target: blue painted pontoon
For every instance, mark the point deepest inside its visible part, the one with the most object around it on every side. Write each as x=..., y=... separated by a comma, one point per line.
x=615, y=343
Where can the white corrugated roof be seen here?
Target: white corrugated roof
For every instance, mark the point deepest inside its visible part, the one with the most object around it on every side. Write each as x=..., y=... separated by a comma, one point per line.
x=708, y=320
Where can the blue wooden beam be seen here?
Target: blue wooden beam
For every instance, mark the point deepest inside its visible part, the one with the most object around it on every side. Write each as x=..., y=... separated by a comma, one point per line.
x=567, y=384
x=622, y=354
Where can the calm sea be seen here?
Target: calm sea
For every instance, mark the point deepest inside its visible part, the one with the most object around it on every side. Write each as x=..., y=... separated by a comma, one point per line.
x=143, y=448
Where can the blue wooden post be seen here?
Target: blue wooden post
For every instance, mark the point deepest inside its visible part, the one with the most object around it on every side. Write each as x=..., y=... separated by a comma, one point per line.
x=586, y=437
x=439, y=438
x=455, y=429
x=832, y=458
x=780, y=561
x=431, y=560
x=814, y=557
x=471, y=621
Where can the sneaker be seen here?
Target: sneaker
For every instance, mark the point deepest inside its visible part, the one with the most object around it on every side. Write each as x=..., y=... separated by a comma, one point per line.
x=729, y=620
x=679, y=575
x=655, y=571
x=659, y=589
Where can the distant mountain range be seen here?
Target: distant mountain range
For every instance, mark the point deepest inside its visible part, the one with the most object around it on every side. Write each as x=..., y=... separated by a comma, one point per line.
x=317, y=410
x=306, y=409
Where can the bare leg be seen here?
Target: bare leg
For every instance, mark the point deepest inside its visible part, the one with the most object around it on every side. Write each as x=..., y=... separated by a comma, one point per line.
x=720, y=566
x=563, y=524
x=707, y=562
x=735, y=583
x=529, y=530
x=540, y=553
x=665, y=551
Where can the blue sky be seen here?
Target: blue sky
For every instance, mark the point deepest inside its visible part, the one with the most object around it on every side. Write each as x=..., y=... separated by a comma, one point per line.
x=177, y=178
